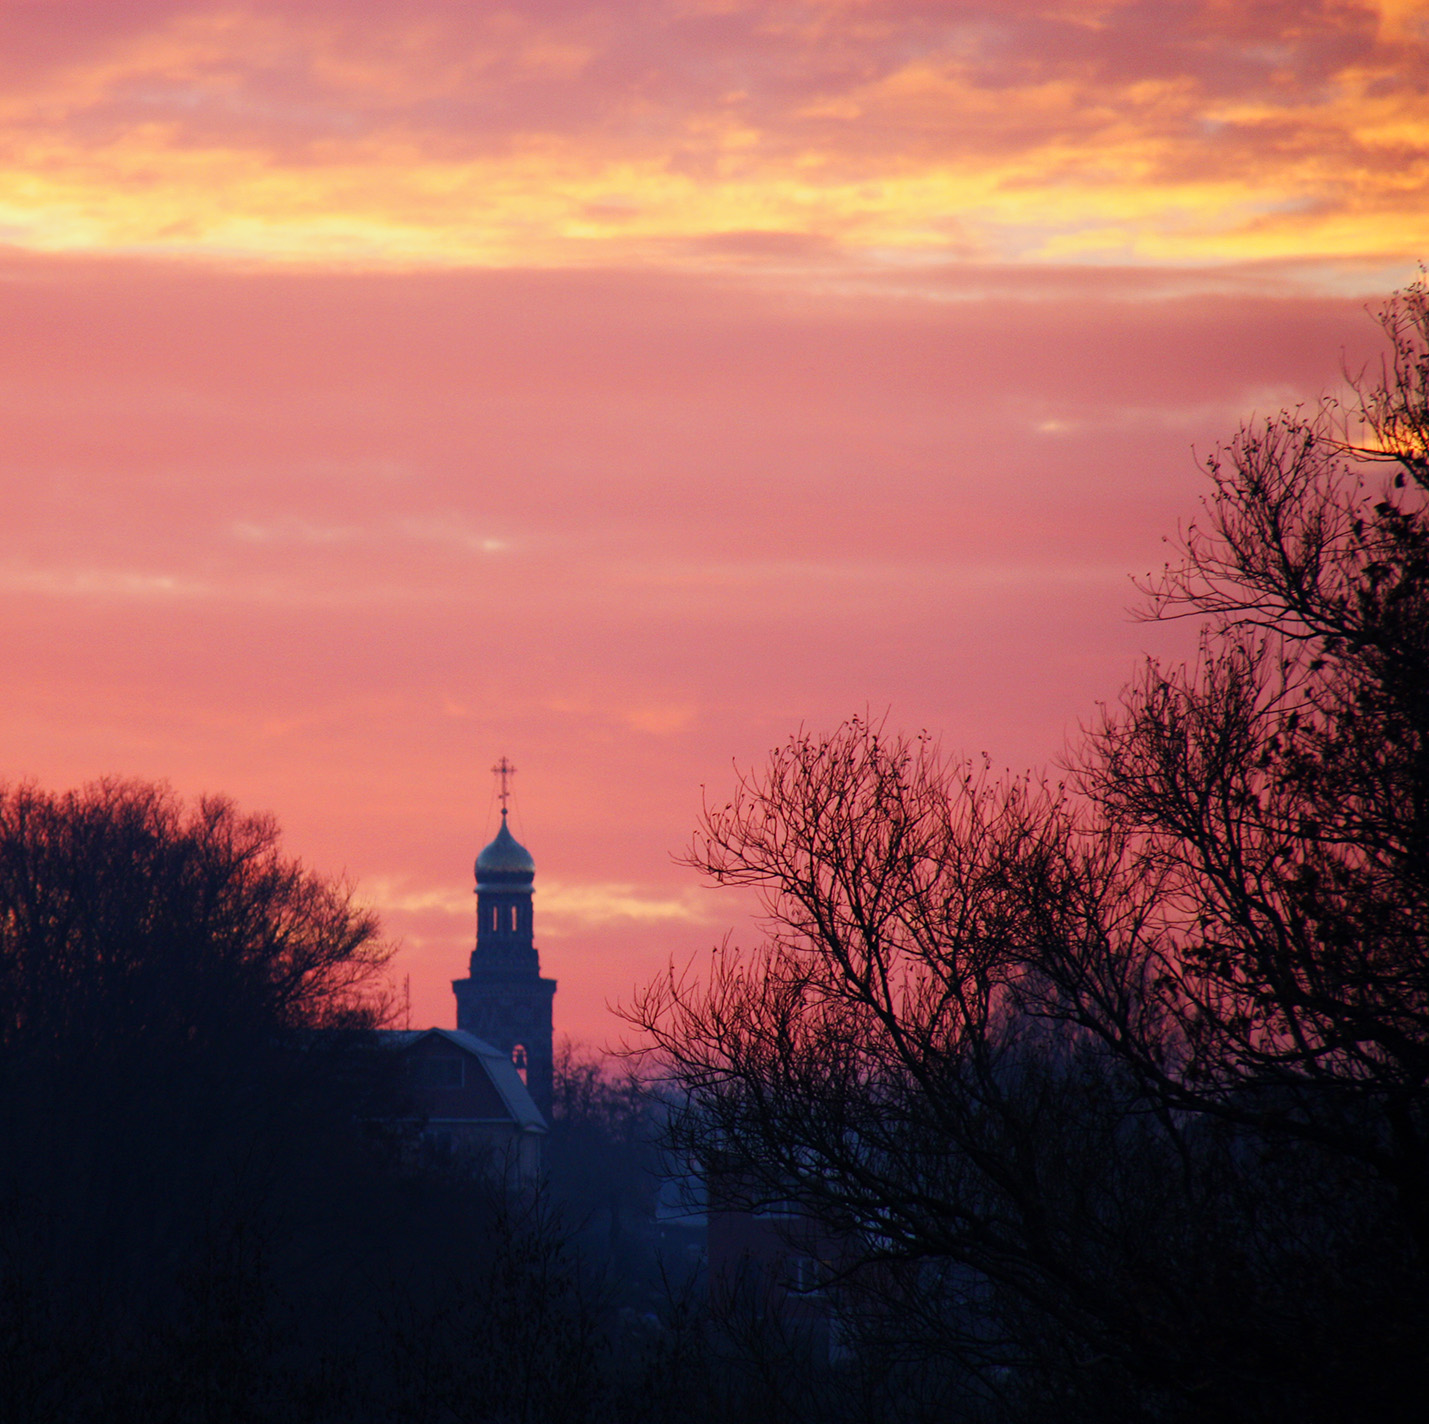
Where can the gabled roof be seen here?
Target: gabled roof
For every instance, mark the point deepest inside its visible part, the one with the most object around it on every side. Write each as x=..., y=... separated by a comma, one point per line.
x=497, y=1065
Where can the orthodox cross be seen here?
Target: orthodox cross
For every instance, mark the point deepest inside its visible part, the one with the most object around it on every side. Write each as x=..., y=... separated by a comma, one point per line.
x=505, y=771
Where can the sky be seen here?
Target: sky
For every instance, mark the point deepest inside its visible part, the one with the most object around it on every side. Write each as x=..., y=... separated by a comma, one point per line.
x=621, y=387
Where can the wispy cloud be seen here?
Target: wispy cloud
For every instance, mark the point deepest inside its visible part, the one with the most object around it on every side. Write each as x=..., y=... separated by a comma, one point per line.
x=453, y=533
x=568, y=908
x=103, y=583
x=385, y=893
x=564, y=907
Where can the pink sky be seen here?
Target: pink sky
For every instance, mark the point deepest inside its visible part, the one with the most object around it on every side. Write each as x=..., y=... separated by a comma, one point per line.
x=619, y=387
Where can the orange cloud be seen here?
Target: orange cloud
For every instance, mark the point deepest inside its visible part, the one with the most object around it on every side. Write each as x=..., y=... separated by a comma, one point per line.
x=592, y=134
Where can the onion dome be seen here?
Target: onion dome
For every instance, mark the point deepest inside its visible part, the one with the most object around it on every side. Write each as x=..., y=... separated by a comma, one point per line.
x=505, y=863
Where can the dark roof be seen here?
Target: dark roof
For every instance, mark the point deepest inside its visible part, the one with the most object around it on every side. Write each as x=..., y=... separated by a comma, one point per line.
x=497, y=1065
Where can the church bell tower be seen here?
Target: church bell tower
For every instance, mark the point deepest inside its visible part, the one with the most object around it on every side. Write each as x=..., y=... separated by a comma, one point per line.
x=505, y=1000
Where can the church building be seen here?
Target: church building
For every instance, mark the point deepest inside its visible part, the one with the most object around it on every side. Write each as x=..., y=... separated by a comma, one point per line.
x=504, y=1000
x=483, y=1091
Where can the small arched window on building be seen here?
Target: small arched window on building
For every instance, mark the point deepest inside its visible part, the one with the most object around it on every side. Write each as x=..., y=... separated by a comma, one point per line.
x=518, y=1057
x=513, y=917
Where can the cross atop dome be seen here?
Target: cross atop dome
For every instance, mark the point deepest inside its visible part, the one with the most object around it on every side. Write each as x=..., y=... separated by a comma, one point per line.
x=505, y=771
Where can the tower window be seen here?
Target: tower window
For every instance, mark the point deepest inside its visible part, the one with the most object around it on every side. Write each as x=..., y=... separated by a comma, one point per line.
x=495, y=917
x=513, y=917
x=518, y=1057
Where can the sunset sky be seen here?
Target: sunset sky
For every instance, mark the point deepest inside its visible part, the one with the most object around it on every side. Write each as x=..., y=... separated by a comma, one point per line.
x=620, y=386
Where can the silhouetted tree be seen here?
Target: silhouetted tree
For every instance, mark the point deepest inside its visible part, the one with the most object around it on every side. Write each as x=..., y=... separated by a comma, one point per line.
x=183, y=1071
x=1126, y=1081
x=1272, y=803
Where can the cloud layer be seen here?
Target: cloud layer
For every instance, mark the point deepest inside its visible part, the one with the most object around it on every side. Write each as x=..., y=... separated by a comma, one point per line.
x=711, y=132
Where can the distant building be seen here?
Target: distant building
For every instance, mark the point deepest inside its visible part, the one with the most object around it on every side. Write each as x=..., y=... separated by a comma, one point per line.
x=504, y=1000
x=772, y=1258
x=471, y=1101
x=483, y=1090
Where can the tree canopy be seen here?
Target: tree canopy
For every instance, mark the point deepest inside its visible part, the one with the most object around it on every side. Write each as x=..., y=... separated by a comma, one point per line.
x=122, y=913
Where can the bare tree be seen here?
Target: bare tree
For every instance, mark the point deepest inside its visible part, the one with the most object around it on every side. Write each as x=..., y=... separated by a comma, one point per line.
x=1128, y=1076
x=874, y=1066
x=1273, y=801
x=126, y=913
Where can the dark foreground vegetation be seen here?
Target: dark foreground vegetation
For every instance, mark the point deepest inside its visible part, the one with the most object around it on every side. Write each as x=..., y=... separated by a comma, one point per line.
x=1094, y=1101
x=1113, y=1092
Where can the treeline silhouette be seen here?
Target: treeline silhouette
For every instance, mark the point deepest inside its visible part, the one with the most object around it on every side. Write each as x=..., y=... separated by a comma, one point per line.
x=216, y=1204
